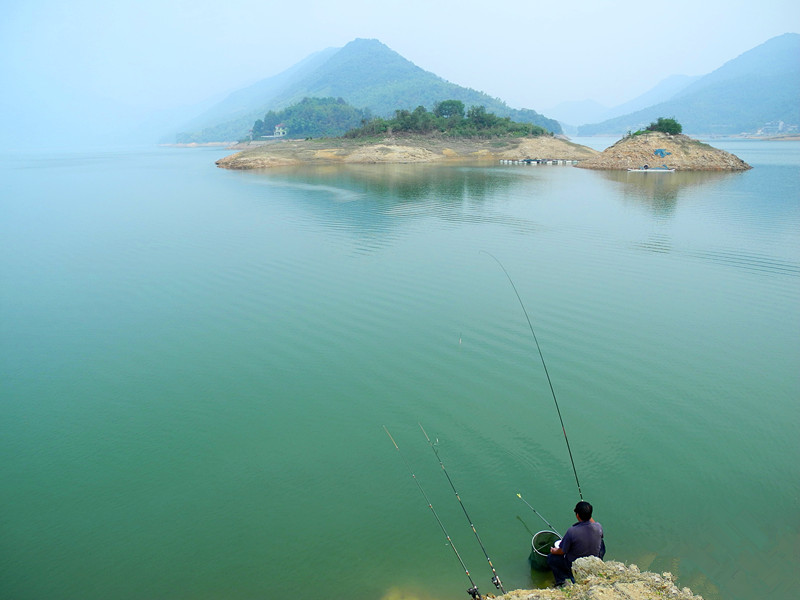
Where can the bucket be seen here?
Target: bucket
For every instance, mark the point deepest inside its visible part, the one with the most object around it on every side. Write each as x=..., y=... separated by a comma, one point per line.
x=540, y=549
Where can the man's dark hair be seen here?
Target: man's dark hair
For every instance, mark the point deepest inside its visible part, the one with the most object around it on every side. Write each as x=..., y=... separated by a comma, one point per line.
x=583, y=510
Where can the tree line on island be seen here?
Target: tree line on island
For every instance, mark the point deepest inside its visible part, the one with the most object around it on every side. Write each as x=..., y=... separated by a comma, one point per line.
x=662, y=124
x=312, y=117
x=333, y=117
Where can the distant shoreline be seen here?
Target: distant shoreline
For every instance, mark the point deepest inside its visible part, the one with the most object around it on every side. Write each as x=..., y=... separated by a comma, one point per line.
x=717, y=136
x=748, y=136
x=199, y=145
x=260, y=143
x=778, y=138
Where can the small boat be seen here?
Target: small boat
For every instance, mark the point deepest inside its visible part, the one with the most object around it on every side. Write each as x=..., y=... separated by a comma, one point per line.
x=649, y=169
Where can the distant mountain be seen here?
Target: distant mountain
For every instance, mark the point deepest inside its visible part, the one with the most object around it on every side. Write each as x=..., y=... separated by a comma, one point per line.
x=240, y=109
x=571, y=114
x=665, y=90
x=759, y=87
x=365, y=73
x=574, y=112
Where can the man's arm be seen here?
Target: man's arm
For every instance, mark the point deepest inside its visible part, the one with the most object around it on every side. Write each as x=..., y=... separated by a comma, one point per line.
x=565, y=541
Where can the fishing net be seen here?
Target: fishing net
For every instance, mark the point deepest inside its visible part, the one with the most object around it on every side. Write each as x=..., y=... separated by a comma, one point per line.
x=540, y=548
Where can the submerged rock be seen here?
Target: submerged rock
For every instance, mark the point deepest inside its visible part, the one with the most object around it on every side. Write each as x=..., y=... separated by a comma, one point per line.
x=598, y=580
x=680, y=152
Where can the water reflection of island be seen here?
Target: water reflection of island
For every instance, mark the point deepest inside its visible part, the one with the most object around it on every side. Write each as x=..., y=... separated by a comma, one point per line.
x=374, y=203
x=660, y=191
x=404, y=182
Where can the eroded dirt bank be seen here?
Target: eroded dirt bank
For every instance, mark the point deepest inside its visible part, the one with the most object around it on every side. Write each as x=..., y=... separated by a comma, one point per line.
x=680, y=152
x=402, y=149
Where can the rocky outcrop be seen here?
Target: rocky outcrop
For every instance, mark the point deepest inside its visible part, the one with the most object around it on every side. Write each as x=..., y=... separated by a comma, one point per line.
x=403, y=149
x=598, y=580
x=681, y=153
x=546, y=147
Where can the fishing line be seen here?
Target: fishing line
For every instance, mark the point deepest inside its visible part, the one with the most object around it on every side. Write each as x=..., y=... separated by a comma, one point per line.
x=473, y=591
x=552, y=391
x=540, y=516
x=495, y=578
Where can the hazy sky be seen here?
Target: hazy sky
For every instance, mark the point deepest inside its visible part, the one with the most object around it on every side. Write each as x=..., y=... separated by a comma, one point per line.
x=65, y=63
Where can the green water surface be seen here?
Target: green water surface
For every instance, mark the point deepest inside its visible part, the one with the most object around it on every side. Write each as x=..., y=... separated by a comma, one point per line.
x=196, y=366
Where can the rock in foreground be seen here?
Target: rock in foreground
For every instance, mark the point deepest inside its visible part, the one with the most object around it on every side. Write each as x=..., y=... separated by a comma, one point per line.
x=598, y=580
x=684, y=154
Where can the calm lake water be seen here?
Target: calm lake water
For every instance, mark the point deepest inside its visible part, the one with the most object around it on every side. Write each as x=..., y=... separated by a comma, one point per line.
x=196, y=366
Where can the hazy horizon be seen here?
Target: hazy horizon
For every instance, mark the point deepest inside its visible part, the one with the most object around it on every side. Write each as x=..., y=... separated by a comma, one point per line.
x=93, y=71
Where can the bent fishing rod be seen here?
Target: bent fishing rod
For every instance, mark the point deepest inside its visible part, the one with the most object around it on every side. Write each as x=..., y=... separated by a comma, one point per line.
x=540, y=516
x=552, y=391
x=473, y=591
x=495, y=578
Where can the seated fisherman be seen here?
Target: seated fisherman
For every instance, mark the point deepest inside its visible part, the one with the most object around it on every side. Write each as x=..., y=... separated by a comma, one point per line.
x=584, y=538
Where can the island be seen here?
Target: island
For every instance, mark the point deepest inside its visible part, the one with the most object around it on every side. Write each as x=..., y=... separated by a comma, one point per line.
x=403, y=148
x=448, y=133
x=663, y=147
x=451, y=134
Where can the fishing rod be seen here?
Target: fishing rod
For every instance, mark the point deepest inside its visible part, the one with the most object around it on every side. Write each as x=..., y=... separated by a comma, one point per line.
x=552, y=391
x=495, y=578
x=473, y=591
x=539, y=515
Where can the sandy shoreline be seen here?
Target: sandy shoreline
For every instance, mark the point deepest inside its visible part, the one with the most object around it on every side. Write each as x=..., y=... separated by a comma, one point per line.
x=402, y=149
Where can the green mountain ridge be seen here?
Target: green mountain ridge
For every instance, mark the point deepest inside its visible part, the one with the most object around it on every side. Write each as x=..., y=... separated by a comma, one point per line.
x=758, y=87
x=241, y=108
x=365, y=73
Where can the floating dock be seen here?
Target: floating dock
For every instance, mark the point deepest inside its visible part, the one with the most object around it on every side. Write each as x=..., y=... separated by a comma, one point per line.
x=538, y=161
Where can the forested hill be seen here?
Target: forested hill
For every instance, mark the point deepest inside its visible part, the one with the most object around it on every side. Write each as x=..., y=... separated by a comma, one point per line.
x=312, y=117
x=758, y=89
x=365, y=73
